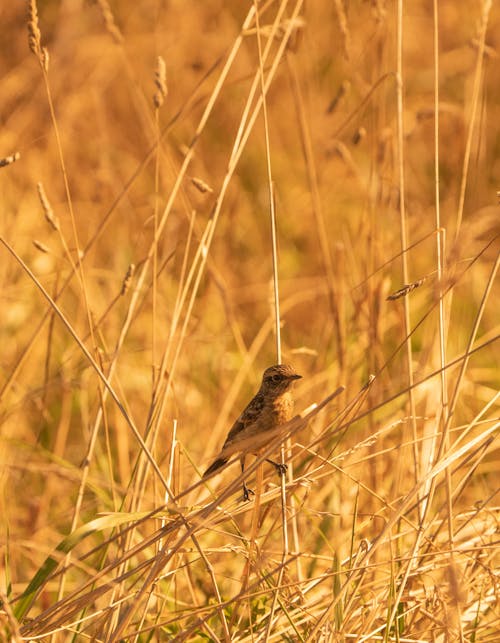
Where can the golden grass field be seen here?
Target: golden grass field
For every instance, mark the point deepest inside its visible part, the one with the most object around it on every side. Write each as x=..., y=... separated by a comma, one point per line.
x=374, y=130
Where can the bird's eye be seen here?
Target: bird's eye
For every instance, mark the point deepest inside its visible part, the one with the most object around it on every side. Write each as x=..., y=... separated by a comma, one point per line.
x=276, y=378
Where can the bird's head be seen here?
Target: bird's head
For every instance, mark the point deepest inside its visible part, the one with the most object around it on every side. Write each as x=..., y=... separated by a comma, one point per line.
x=277, y=379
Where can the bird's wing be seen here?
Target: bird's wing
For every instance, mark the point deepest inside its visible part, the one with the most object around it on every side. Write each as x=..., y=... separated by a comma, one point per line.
x=248, y=417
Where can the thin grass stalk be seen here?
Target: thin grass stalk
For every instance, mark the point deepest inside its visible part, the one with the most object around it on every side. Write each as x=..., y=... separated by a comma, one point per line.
x=43, y=59
x=185, y=600
x=439, y=467
x=173, y=448
x=270, y=184
x=158, y=99
x=10, y=626
x=238, y=146
x=440, y=255
x=153, y=426
x=186, y=162
x=470, y=343
x=69, y=202
x=476, y=89
x=423, y=509
x=154, y=315
x=231, y=396
x=195, y=523
x=477, y=419
x=86, y=353
x=464, y=451
x=253, y=549
x=165, y=370
x=317, y=207
x=135, y=501
x=169, y=204
x=402, y=223
x=103, y=223
x=274, y=246
x=154, y=421
x=396, y=516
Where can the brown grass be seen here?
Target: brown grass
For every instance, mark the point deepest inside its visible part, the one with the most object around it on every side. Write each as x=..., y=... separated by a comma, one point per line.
x=139, y=311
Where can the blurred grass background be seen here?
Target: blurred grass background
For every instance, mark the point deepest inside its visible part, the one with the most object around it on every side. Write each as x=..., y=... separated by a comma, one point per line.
x=186, y=366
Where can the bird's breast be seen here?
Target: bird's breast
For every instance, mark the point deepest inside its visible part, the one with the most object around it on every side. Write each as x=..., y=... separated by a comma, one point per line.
x=279, y=411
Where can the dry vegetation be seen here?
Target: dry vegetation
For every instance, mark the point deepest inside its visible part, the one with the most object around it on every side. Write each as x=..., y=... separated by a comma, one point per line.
x=138, y=314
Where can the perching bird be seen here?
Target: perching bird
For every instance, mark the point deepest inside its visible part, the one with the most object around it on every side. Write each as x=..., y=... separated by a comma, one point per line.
x=271, y=406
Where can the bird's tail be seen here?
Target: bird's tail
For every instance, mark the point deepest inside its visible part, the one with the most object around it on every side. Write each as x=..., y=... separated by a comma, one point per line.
x=220, y=462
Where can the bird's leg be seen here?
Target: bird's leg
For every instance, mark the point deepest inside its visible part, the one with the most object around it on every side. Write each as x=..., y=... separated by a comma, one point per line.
x=280, y=468
x=247, y=492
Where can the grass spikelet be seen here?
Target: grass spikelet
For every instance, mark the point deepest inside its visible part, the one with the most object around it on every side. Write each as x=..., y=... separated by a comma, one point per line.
x=45, y=59
x=8, y=160
x=40, y=246
x=48, y=212
x=127, y=280
x=109, y=21
x=200, y=185
x=343, y=90
x=34, y=35
x=359, y=135
x=405, y=290
x=160, y=82
x=344, y=29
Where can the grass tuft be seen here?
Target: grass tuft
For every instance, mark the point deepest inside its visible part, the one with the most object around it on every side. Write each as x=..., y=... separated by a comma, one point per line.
x=320, y=188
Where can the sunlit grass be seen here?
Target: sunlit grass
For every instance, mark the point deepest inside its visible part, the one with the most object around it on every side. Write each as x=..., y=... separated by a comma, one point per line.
x=119, y=384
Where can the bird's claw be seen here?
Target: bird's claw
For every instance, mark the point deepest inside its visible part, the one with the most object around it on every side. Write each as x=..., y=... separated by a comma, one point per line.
x=247, y=492
x=281, y=468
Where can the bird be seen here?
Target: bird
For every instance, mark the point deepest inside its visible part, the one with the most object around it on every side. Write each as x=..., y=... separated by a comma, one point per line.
x=271, y=406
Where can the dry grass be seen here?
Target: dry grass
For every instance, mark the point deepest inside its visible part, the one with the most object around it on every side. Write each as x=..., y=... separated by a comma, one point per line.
x=138, y=313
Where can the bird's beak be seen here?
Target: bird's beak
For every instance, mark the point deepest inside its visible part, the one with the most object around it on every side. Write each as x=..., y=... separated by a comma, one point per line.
x=296, y=377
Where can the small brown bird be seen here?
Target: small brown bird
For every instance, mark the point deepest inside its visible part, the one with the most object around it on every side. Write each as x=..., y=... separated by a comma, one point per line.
x=271, y=406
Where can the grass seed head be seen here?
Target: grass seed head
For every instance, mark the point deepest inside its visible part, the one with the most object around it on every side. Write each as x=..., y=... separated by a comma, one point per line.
x=47, y=208
x=34, y=35
x=8, y=160
x=160, y=82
